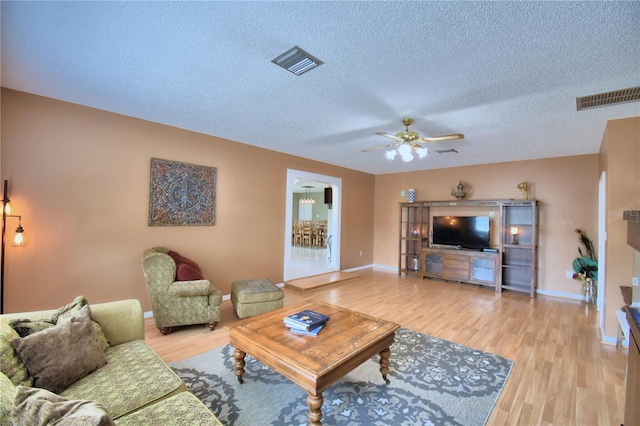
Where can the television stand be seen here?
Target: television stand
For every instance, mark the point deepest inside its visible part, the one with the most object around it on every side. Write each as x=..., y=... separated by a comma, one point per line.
x=465, y=266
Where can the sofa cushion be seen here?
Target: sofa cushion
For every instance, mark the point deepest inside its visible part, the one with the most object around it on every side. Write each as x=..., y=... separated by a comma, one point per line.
x=186, y=272
x=34, y=406
x=134, y=376
x=184, y=409
x=61, y=355
x=10, y=363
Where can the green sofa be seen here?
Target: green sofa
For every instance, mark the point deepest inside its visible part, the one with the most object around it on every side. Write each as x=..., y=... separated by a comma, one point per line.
x=135, y=386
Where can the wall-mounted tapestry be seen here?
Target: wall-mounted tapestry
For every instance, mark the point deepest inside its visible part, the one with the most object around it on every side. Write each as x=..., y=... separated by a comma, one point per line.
x=181, y=194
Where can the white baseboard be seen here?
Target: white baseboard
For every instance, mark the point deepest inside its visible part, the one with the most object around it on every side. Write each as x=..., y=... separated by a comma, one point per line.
x=358, y=268
x=386, y=268
x=560, y=294
x=608, y=340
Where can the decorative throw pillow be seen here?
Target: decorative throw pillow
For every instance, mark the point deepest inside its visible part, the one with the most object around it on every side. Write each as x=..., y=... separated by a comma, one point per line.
x=26, y=327
x=10, y=363
x=59, y=356
x=178, y=258
x=186, y=272
x=73, y=308
x=33, y=406
x=100, y=337
x=69, y=310
x=7, y=392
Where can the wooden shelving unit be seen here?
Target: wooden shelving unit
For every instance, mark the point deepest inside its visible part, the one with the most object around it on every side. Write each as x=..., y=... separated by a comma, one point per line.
x=513, y=268
x=411, y=235
x=519, y=257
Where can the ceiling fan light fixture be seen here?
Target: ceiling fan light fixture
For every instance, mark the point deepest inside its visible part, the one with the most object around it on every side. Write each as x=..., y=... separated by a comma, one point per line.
x=408, y=142
x=404, y=150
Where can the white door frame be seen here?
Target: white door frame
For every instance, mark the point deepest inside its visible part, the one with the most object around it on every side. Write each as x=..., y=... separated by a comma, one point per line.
x=335, y=228
x=602, y=246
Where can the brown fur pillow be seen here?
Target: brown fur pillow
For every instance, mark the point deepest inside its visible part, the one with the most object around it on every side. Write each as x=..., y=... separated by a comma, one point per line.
x=60, y=356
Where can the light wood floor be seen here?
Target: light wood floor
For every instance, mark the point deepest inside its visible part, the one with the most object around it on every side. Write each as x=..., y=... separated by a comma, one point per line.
x=562, y=375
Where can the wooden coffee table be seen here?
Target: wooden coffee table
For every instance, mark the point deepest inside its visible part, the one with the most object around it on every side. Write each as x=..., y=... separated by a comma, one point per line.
x=313, y=362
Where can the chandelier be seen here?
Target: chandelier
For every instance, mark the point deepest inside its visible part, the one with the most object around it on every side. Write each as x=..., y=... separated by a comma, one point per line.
x=307, y=199
x=406, y=152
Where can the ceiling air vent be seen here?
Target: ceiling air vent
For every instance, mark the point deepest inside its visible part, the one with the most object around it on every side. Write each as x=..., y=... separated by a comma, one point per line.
x=447, y=151
x=297, y=61
x=622, y=96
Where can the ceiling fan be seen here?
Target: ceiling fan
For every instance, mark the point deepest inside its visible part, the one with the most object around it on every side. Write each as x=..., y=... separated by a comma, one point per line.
x=409, y=141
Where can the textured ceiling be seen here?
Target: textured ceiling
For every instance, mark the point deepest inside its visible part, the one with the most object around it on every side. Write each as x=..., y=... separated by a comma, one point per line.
x=506, y=74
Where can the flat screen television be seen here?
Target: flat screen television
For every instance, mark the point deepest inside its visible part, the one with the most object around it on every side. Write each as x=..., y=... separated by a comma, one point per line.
x=466, y=232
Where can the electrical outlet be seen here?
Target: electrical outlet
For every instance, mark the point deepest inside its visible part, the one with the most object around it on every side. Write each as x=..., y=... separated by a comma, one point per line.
x=634, y=281
x=360, y=252
x=569, y=273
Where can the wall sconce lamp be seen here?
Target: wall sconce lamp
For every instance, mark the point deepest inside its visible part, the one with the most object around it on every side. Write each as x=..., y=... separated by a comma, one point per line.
x=514, y=234
x=19, y=239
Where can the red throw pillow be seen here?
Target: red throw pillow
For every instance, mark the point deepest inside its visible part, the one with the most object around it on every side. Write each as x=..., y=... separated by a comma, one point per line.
x=178, y=258
x=186, y=272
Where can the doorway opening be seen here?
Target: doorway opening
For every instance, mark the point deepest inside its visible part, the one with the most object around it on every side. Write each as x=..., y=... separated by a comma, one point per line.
x=301, y=261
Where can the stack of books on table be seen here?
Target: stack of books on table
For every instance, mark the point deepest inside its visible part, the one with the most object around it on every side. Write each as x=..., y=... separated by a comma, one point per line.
x=306, y=322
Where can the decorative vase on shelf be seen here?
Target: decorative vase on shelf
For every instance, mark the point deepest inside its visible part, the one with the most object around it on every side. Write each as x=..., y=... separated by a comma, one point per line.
x=411, y=196
x=460, y=192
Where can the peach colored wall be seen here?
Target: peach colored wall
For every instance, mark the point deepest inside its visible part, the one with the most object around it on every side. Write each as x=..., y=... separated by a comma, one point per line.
x=566, y=188
x=80, y=178
x=620, y=158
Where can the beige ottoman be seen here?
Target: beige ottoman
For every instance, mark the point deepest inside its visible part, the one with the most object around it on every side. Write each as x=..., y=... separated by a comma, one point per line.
x=254, y=297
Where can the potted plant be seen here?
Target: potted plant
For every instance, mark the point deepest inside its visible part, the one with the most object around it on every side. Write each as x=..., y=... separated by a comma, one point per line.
x=585, y=266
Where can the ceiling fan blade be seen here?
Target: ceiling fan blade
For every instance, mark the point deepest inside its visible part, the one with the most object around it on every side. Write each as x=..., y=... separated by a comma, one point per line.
x=387, y=135
x=380, y=147
x=443, y=137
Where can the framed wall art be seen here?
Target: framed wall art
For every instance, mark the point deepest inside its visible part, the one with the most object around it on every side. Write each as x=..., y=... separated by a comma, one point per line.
x=181, y=194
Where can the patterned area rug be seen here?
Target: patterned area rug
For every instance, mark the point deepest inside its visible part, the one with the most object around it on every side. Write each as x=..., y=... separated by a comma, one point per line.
x=433, y=382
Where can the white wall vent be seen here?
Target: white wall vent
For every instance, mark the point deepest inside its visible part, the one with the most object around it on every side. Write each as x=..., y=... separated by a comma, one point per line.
x=297, y=61
x=622, y=96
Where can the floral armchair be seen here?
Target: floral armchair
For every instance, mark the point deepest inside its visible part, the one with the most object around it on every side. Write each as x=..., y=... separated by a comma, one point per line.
x=179, y=293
